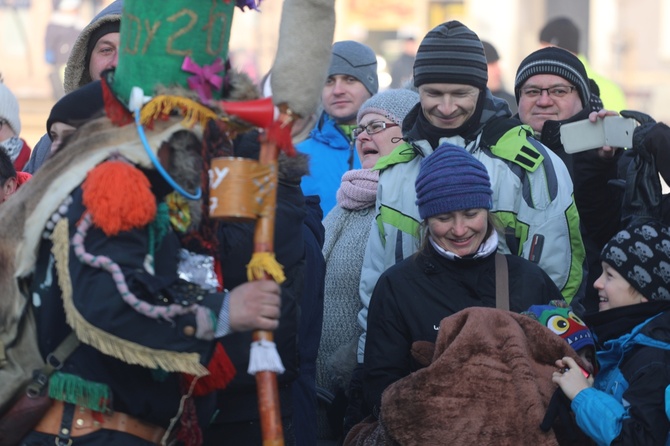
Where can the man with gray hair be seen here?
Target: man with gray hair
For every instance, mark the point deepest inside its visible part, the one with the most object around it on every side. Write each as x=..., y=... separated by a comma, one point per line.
x=352, y=79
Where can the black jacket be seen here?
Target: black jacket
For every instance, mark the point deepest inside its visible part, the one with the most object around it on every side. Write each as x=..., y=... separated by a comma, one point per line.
x=413, y=296
x=239, y=401
x=136, y=390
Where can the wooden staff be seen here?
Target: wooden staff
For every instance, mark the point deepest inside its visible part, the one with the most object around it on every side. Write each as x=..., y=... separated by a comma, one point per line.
x=266, y=381
x=277, y=136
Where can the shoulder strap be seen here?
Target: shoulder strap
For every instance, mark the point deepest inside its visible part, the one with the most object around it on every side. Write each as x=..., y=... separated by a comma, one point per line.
x=502, y=282
x=54, y=362
x=516, y=145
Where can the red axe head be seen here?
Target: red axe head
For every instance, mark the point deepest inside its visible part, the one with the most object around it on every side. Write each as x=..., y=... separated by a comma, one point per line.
x=259, y=112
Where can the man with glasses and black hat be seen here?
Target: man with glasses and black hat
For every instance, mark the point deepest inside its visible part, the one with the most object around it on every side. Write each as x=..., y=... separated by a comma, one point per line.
x=552, y=88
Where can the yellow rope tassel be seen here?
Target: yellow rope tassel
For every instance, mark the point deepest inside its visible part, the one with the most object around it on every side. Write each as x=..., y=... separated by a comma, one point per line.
x=161, y=106
x=262, y=263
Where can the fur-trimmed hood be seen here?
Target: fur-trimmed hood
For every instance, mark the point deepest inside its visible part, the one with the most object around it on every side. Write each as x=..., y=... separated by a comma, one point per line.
x=76, y=73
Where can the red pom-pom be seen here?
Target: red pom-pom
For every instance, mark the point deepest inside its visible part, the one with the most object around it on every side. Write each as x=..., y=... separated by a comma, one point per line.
x=221, y=373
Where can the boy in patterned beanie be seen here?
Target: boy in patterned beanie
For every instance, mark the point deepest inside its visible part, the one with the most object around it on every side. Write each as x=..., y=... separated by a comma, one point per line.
x=626, y=403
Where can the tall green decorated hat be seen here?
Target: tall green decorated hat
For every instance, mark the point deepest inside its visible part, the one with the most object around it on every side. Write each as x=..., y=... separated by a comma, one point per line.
x=173, y=43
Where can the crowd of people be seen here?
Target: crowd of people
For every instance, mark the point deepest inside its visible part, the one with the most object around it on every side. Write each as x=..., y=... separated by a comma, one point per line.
x=439, y=247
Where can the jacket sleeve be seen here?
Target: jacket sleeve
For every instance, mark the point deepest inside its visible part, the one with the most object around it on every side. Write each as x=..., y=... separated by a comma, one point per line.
x=642, y=422
x=533, y=199
x=373, y=267
x=599, y=202
x=38, y=155
x=388, y=347
x=95, y=300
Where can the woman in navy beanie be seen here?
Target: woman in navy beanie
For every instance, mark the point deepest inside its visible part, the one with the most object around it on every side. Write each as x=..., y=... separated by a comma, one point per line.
x=453, y=270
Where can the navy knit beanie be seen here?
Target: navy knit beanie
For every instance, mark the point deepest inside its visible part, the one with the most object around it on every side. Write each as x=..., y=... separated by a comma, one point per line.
x=451, y=179
x=641, y=254
x=556, y=61
x=451, y=54
x=357, y=60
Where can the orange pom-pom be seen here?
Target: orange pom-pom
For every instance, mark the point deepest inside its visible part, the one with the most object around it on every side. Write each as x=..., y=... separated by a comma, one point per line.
x=119, y=197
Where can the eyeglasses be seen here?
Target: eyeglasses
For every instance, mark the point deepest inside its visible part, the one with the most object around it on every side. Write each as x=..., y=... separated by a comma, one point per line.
x=558, y=91
x=372, y=128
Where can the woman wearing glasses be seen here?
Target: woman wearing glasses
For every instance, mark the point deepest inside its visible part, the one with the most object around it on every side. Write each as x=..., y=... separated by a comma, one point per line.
x=347, y=229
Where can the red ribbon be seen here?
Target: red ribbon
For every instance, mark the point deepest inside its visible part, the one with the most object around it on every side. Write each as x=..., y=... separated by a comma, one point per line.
x=204, y=78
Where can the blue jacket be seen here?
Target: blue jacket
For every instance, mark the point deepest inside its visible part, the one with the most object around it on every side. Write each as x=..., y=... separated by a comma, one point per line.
x=331, y=154
x=626, y=405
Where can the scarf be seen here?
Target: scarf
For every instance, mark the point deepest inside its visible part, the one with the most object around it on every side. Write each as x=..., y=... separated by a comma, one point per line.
x=358, y=189
x=12, y=146
x=487, y=248
x=614, y=323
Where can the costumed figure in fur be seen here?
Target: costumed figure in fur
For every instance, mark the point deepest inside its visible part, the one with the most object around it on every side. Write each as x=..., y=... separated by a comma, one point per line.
x=95, y=255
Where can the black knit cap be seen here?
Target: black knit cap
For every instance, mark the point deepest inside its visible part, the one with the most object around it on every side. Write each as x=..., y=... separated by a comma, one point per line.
x=78, y=106
x=451, y=54
x=556, y=61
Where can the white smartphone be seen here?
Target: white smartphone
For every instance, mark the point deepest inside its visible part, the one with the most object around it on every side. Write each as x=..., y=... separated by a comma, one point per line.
x=613, y=131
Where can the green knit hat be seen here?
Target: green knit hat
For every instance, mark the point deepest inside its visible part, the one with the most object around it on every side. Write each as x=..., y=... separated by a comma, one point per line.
x=173, y=43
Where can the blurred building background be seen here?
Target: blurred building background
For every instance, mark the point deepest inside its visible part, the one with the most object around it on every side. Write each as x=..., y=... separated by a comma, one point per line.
x=625, y=40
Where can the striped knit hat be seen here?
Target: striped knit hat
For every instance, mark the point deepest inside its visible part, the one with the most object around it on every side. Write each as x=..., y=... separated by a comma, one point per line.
x=557, y=61
x=451, y=54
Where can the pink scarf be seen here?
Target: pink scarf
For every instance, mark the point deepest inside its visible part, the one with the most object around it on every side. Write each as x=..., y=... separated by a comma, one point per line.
x=358, y=189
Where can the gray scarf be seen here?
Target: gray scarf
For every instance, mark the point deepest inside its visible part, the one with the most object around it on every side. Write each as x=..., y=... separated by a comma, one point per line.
x=12, y=146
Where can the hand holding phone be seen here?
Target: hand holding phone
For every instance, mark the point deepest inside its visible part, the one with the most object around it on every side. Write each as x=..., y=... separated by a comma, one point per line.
x=613, y=131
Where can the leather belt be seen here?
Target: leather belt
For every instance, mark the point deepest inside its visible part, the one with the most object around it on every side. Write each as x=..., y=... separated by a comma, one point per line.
x=84, y=423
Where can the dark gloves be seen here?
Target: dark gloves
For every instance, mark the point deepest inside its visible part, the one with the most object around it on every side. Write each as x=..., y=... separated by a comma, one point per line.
x=643, y=196
x=640, y=134
x=357, y=409
x=559, y=407
x=652, y=139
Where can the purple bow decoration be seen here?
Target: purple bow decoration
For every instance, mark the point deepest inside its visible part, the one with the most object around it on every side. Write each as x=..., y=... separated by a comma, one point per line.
x=204, y=78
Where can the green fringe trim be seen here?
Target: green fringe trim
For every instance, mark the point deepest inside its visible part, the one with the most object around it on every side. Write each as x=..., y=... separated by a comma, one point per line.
x=111, y=345
x=159, y=227
x=75, y=390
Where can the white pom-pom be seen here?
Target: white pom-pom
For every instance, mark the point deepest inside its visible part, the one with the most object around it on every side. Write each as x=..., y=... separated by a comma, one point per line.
x=264, y=358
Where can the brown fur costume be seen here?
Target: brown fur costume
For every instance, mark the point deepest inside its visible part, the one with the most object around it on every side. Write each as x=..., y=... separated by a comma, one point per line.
x=489, y=383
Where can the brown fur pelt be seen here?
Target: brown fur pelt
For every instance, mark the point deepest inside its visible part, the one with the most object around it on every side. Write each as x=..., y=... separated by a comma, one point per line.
x=489, y=383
